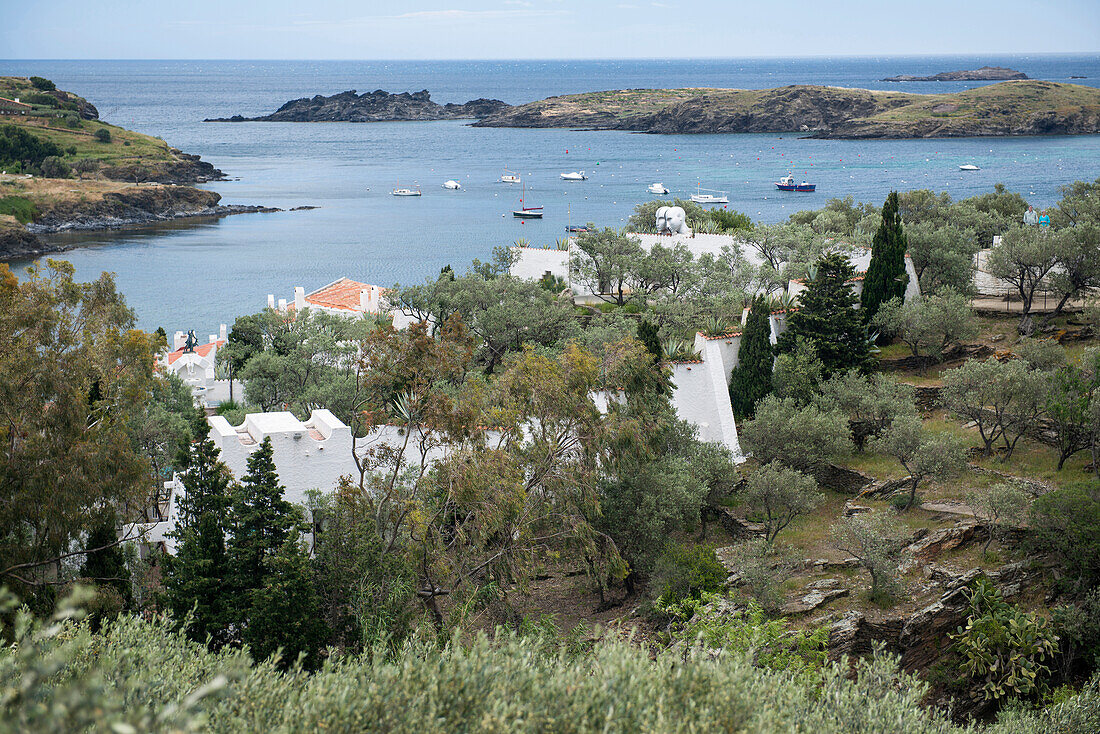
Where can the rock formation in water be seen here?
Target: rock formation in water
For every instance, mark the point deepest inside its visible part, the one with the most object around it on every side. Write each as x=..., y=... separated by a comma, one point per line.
x=376, y=106
x=984, y=74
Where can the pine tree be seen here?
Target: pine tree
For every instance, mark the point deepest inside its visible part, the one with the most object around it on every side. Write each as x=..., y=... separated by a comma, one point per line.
x=260, y=522
x=285, y=611
x=751, y=379
x=886, y=277
x=196, y=577
x=827, y=318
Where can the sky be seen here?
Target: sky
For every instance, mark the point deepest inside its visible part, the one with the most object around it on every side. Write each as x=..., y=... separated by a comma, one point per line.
x=541, y=29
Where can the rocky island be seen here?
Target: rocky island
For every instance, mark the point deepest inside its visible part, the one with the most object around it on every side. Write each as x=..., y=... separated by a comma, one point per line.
x=984, y=74
x=1008, y=108
x=376, y=106
x=62, y=168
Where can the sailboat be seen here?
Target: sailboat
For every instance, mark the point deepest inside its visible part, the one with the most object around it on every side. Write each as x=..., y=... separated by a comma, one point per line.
x=509, y=177
x=524, y=211
x=700, y=198
x=399, y=191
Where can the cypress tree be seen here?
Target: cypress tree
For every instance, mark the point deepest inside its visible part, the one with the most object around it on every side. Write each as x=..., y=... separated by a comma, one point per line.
x=751, y=379
x=886, y=277
x=261, y=520
x=195, y=578
x=827, y=318
x=107, y=567
x=647, y=335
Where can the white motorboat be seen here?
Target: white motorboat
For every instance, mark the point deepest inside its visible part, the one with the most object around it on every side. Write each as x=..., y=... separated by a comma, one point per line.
x=715, y=197
x=452, y=185
x=574, y=176
x=509, y=177
x=969, y=167
x=399, y=191
x=657, y=188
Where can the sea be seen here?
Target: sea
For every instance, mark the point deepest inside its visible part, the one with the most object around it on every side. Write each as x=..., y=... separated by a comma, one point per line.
x=196, y=274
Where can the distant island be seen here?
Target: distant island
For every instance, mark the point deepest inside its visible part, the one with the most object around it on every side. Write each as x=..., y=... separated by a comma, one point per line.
x=984, y=74
x=1028, y=107
x=376, y=106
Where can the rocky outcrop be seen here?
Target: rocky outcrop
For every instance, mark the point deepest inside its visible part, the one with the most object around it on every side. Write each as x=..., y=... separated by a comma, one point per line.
x=184, y=169
x=984, y=74
x=376, y=106
x=17, y=242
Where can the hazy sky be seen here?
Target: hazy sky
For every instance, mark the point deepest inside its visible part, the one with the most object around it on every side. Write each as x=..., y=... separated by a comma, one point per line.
x=486, y=29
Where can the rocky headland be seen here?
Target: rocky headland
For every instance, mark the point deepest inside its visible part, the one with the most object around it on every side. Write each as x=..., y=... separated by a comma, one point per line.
x=1008, y=108
x=376, y=106
x=984, y=74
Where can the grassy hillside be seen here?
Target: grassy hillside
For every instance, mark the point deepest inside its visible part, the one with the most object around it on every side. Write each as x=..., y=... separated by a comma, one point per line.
x=72, y=123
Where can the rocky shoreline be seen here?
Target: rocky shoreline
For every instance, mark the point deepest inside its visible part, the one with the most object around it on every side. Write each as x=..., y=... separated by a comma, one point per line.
x=376, y=106
x=138, y=206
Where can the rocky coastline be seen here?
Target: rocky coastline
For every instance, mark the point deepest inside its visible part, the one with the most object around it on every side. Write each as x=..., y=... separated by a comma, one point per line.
x=376, y=106
x=1004, y=109
x=984, y=74
x=135, y=206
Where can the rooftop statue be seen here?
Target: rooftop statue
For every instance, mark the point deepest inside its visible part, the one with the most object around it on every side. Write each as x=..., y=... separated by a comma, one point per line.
x=192, y=341
x=672, y=220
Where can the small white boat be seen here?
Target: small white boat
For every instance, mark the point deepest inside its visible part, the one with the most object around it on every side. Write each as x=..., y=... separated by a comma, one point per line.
x=574, y=176
x=509, y=177
x=715, y=197
x=399, y=191
x=452, y=185
x=969, y=167
x=657, y=188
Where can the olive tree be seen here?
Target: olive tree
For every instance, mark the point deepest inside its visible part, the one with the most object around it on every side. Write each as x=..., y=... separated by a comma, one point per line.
x=998, y=505
x=1024, y=259
x=1002, y=399
x=799, y=437
x=925, y=456
x=780, y=494
x=928, y=325
x=877, y=541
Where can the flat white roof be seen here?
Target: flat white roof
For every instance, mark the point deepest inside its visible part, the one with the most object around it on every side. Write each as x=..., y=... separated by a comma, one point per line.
x=261, y=425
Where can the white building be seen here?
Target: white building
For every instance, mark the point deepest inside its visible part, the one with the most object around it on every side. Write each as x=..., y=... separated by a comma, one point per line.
x=197, y=367
x=342, y=297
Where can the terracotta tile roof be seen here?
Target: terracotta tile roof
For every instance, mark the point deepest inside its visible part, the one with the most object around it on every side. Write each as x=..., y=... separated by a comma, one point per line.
x=727, y=335
x=342, y=294
x=202, y=350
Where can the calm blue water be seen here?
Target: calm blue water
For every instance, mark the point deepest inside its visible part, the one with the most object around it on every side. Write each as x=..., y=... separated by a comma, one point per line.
x=196, y=275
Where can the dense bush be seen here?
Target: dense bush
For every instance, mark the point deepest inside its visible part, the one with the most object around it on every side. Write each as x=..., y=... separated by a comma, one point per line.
x=1066, y=523
x=42, y=83
x=19, y=146
x=686, y=572
x=43, y=100
x=103, y=135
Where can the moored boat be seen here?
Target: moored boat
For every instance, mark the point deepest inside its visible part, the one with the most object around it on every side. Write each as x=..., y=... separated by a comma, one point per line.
x=716, y=197
x=657, y=188
x=399, y=191
x=524, y=211
x=787, y=184
x=509, y=177
x=969, y=167
x=574, y=176
x=452, y=185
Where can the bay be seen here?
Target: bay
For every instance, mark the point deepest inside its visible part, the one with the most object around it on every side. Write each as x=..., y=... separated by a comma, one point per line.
x=200, y=273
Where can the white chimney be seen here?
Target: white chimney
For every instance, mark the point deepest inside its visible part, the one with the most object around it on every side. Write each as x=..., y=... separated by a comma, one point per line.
x=213, y=338
x=299, y=297
x=282, y=304
x=270, y=300
x=178, y=340
x=368, y=299
x=223, y=333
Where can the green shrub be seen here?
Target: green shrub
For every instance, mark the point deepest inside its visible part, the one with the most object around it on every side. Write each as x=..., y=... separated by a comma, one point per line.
x=103, y=135
x=142, y=675
x=1078, y=630
x=1003, y=648
x=607, y=307
x=73, y=122
x=1066, y=523
x=54, y=167
x=18, y=145
x=42, y=83
x=42, y=100
x=18, y=207
x=729, y=220
x=684, y=572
